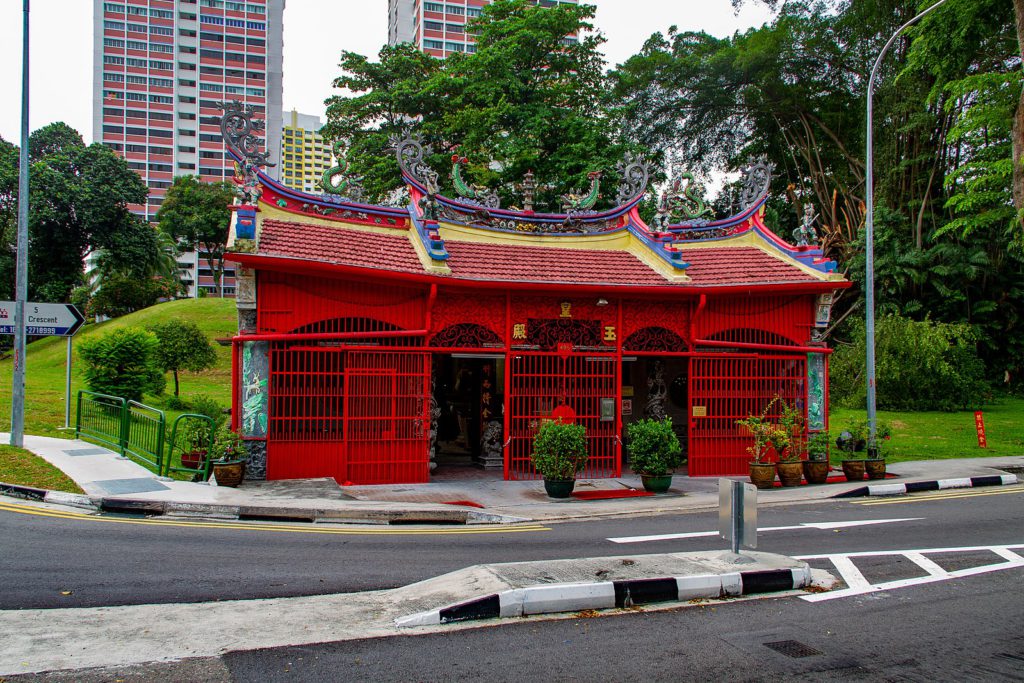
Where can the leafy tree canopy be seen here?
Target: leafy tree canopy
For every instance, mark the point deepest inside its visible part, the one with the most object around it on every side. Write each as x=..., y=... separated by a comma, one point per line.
x=197, y=214
x=182, y=346
x=529, y=98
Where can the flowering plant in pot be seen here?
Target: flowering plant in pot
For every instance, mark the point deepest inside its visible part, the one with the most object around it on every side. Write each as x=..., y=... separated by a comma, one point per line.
x=559, y=453
x=762, y=471
x=654, y=452
x=816, y=467
x=229, y=453
x=790, y=443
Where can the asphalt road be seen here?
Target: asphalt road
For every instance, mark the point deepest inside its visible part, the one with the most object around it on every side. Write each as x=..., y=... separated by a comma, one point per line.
x=85, y=562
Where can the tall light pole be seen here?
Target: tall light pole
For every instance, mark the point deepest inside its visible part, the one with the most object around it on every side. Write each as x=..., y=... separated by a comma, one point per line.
x=21, y=281
x=870, y=234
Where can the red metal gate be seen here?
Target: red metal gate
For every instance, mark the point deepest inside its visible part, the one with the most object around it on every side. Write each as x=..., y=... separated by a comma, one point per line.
x=729, y=388
x=359, y=416
x=539, y=383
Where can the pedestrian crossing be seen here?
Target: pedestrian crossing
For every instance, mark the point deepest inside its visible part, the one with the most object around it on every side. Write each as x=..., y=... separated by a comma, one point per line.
x=927, y=561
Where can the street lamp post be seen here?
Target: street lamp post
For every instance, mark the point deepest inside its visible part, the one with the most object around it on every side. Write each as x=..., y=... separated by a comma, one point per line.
x=870, y=236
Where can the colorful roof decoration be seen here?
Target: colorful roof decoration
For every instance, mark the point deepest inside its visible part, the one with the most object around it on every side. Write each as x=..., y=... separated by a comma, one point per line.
x=471, y=239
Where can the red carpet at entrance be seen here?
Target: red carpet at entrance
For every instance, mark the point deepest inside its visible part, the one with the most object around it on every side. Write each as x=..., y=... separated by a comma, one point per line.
x=610, y=493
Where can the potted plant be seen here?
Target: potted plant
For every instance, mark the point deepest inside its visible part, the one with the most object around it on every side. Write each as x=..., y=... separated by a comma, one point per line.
x=762, y=471
x=875, y=467
x=229, y=454
x=851, y=443
x=193, y=439
x=559, y=453
x=789, y=443
x=654, y=452
x=816, y=467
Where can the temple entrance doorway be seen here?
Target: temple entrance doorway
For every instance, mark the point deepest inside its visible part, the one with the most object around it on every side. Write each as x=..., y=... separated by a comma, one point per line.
x=468, y=417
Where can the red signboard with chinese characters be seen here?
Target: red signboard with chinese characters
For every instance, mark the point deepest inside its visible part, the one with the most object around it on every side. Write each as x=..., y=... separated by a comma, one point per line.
x=979, y=424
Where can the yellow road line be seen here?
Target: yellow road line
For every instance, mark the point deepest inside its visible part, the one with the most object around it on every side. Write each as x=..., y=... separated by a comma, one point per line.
x=948, y=494
x=291, y=528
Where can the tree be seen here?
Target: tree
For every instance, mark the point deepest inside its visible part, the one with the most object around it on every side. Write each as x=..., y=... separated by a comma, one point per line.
x=122, y=363
x=79, y=198
x=182, y=346
x=529, y=98
x=197, y=213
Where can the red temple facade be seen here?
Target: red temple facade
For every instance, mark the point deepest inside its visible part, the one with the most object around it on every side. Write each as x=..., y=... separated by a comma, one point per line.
x=374, y=340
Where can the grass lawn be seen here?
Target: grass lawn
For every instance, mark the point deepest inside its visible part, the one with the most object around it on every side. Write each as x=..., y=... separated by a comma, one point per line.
x=934, y=436
x=18, y=466
x=45, y=368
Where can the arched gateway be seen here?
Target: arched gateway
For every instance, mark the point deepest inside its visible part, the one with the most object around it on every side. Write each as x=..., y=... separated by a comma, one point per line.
x=374, y=341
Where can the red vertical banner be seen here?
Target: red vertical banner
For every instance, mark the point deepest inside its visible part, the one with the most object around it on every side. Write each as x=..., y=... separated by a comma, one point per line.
x=979, y=424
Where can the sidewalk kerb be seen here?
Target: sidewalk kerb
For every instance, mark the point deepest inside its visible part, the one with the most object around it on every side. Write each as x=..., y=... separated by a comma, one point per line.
x=931, y=485
x=961, y=483
x=574, y=597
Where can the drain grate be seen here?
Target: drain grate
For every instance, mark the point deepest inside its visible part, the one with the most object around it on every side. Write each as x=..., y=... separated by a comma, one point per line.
x=793, y=648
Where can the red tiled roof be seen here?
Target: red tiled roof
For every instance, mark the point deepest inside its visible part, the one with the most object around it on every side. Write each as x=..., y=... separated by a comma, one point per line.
x=521, y=263
x=503, y=262
x=328, y=244
x=710, y=266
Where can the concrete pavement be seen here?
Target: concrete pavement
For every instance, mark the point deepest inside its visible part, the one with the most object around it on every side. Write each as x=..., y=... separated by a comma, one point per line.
x=463, y=496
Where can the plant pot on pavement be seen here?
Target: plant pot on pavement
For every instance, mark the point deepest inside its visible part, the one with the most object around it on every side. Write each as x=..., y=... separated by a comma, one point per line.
x=816, y=471
x=229, y=473
x=559, y=488
x=854, y=470
x=790, y=472
x=875, y=468
x=655, y=483
x=762, y=474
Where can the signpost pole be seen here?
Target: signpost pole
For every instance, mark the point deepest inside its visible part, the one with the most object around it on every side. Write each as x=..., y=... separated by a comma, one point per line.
x=21, y=268
x=67, y=389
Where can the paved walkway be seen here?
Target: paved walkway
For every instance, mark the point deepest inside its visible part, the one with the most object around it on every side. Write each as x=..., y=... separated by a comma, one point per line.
x=457, y=495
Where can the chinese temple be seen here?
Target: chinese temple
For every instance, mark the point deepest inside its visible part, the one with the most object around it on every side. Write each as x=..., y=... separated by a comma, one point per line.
x=376, y=341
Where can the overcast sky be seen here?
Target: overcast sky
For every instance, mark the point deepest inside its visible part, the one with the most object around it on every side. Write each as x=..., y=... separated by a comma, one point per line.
x=315, y=32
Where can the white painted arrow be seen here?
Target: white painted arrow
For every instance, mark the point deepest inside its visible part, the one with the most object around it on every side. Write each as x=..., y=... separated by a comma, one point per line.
x=805, y=525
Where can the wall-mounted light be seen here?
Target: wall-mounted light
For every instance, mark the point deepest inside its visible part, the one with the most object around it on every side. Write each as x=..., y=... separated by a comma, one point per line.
x=602, y=302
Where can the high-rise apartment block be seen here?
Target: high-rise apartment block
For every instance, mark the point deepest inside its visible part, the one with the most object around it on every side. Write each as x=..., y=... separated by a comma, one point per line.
x=305, y=156
x=439, y=27
x=161, y=67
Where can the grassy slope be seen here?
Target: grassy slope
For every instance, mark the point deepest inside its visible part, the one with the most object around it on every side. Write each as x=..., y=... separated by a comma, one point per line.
x=18, y=466
x=44, y=370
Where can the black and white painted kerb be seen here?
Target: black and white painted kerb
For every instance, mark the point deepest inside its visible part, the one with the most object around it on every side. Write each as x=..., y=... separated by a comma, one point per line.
x=936, y=485
x=574, y=597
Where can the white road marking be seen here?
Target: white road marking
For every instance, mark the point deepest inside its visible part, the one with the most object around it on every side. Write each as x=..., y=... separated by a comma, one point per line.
x=859, y=586
x=806, y=525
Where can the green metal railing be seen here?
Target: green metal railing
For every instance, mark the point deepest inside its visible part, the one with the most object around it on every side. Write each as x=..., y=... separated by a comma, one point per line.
x=179, y=456
x=144, y=435
x=100, y=417
x=132, y=429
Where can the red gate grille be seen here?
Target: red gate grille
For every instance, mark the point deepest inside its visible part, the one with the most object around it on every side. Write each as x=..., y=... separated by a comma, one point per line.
x=723, y=390
x=538, y=382
x=356, y=416
x=387, y=417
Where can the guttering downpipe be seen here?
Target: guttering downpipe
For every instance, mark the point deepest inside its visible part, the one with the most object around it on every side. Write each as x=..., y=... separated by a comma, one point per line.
x=693, y=320
x=431, y=298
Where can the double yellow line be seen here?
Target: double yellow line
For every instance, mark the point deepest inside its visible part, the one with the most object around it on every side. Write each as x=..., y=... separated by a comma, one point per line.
x=282, y=527
x=948, y=494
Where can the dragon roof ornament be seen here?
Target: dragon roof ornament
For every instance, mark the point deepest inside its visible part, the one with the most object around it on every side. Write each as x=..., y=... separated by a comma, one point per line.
x=411, y=150
x=757, y=178
x=635, y=173
x=239, y=129
x=338, y=180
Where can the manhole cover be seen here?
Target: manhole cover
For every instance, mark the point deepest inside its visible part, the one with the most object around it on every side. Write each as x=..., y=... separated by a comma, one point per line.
x=793, y=648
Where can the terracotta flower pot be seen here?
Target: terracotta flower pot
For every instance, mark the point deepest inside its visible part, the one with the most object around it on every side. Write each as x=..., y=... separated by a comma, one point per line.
x=816, y=471
x=854, y=470
x=229, y=473
x=762, y=474
x=875, y=468
x=791, y=472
